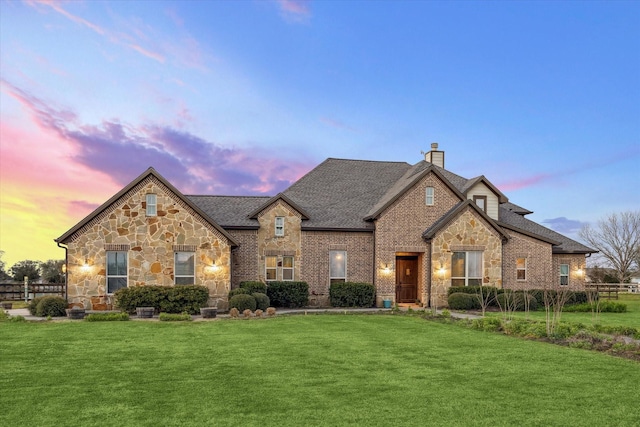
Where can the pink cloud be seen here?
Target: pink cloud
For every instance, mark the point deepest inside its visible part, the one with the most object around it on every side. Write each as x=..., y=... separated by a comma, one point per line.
x=525, y=182
x=122, y=151
x=295, y=10
x=336, y=124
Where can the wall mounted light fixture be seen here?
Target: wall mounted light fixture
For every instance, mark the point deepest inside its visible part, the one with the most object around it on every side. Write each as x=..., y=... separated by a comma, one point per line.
x=386, y=269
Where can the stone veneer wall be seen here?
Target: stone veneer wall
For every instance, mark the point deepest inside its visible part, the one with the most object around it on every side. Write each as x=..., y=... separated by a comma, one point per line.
x=269, y=244
x=468, y=232
x=315, y=259
x=244, y=258
x=150, y=242
x=399, y=230
x=539, y=265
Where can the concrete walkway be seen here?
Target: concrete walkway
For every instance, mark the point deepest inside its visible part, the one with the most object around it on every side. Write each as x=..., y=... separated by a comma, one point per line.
x=283, y=311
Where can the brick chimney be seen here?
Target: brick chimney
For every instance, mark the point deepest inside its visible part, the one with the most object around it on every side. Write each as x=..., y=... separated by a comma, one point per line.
x=434, y=156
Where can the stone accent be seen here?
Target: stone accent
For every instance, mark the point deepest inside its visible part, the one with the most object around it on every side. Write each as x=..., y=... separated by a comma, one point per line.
x=289, y=244
x=151, y=242
x=468, y=232
x=315, y=260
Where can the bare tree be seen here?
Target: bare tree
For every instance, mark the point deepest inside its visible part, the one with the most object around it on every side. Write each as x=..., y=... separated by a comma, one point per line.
x=617, y=238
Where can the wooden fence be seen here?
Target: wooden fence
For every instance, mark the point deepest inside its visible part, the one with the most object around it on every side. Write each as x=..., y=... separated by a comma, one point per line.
x=611, y=290
x=15, y=291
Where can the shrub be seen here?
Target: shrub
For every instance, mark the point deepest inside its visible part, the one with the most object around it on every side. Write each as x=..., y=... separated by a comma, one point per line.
x=463, y=301
x=604, y=307
x=259, y=313
x=517, y=300
x=106, y=317
x=243, y=302
x=175, y=299
x=189, y=299
x=234, y=312
x=350, y=294
x=238, y=291
x=127, y=299
x=33, y=305
x=271, y=311
x=288, y=294
x=51, y=306
x=262, y=300
x=246, y=313
x=174, y=317
x=253, y=287
x=489, y=324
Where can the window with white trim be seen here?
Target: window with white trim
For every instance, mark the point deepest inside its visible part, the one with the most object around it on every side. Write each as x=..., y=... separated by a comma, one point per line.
x=466, y=268
x=564, y=274
x=116, y=270
x=521, y=269
x=271, y=266
x=279, y=268
x=184, y=271
x=279, y=226
x=152, y=205
x=429, y=196
x=337, y=266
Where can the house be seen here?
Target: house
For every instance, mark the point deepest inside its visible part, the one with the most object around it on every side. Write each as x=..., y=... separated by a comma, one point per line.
x=411, y=230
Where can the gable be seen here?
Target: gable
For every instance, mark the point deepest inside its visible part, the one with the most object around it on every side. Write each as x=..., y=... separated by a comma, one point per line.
x=131, y=205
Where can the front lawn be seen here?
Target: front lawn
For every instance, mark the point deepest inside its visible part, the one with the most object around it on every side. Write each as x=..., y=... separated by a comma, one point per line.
x=303, y=370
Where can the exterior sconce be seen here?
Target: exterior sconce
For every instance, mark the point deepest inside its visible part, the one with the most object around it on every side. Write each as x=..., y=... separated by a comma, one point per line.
x=86, y=267
x=442, y=271
x=386, y=269
x=580, y=272
x=212, y=268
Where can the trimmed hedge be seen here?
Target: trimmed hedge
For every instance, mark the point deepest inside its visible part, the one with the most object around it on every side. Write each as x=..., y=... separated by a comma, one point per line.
x=51, y=306
x=106, y=317
x=238, y=291
x=174, y=299
x=288, y=294
x=33, y=305
x=351, y=294
x=242, y=302
x=254, y=287
x=486, y=290
x=463, y=301
x=174, y=317
x=262, y=300
x=604, y=307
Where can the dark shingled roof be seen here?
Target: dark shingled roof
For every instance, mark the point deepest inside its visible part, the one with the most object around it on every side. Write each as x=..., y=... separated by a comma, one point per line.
x=512, y=207
x=562, y=244
x=230, y=211
x=338, y=193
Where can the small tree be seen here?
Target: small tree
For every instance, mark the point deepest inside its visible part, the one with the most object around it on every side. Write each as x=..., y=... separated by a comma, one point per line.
x=617, y=238
x=52, y=271
x=28, y=268
x=3, y=273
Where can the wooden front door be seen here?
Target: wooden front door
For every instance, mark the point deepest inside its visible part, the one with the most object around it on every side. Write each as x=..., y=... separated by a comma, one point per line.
x=406, y=278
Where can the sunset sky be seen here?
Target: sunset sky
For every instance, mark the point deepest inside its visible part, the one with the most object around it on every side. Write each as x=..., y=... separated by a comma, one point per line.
x=244, y=97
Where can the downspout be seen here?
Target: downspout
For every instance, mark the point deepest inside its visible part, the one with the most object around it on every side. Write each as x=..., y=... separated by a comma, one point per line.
x=66, y=270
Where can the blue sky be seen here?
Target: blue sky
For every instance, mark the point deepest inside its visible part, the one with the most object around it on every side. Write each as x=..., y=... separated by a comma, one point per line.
x=224, y=97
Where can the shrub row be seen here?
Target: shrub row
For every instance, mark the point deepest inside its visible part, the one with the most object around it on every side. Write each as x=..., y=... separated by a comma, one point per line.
x=351, y=294
x=288, y=294
x=174, y=299
x=48, y=306
x=106, y=317
x=507, y=297
x=603, y=307
x=243, y=301
x=174, y=317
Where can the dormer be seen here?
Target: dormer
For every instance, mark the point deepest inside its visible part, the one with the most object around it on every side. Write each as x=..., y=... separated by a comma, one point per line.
x=485, y=195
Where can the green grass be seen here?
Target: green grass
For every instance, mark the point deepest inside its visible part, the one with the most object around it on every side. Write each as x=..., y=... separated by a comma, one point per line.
x=303, y=370
x=630, y=318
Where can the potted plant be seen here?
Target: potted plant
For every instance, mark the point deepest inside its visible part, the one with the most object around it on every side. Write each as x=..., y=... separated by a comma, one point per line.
x=209, y=312
x=75, y=313
x=145, y=312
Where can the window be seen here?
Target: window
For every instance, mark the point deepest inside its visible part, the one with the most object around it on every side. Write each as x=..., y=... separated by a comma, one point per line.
x=184, y=268
x=481, y=202
x=466, y=268
x=279, y=268
x=287, y=268
x=116, y=270
x=429, y=196
x=271, y=263
x=521, y=269
x=279, y=226
x=337, y=266
x=152, y=205
x=564, y=274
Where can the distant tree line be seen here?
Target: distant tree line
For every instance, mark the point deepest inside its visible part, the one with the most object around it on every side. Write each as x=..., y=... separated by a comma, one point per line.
x=48, y=271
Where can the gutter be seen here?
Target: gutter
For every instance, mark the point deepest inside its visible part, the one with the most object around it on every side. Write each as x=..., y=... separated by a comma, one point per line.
x=66, y=270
